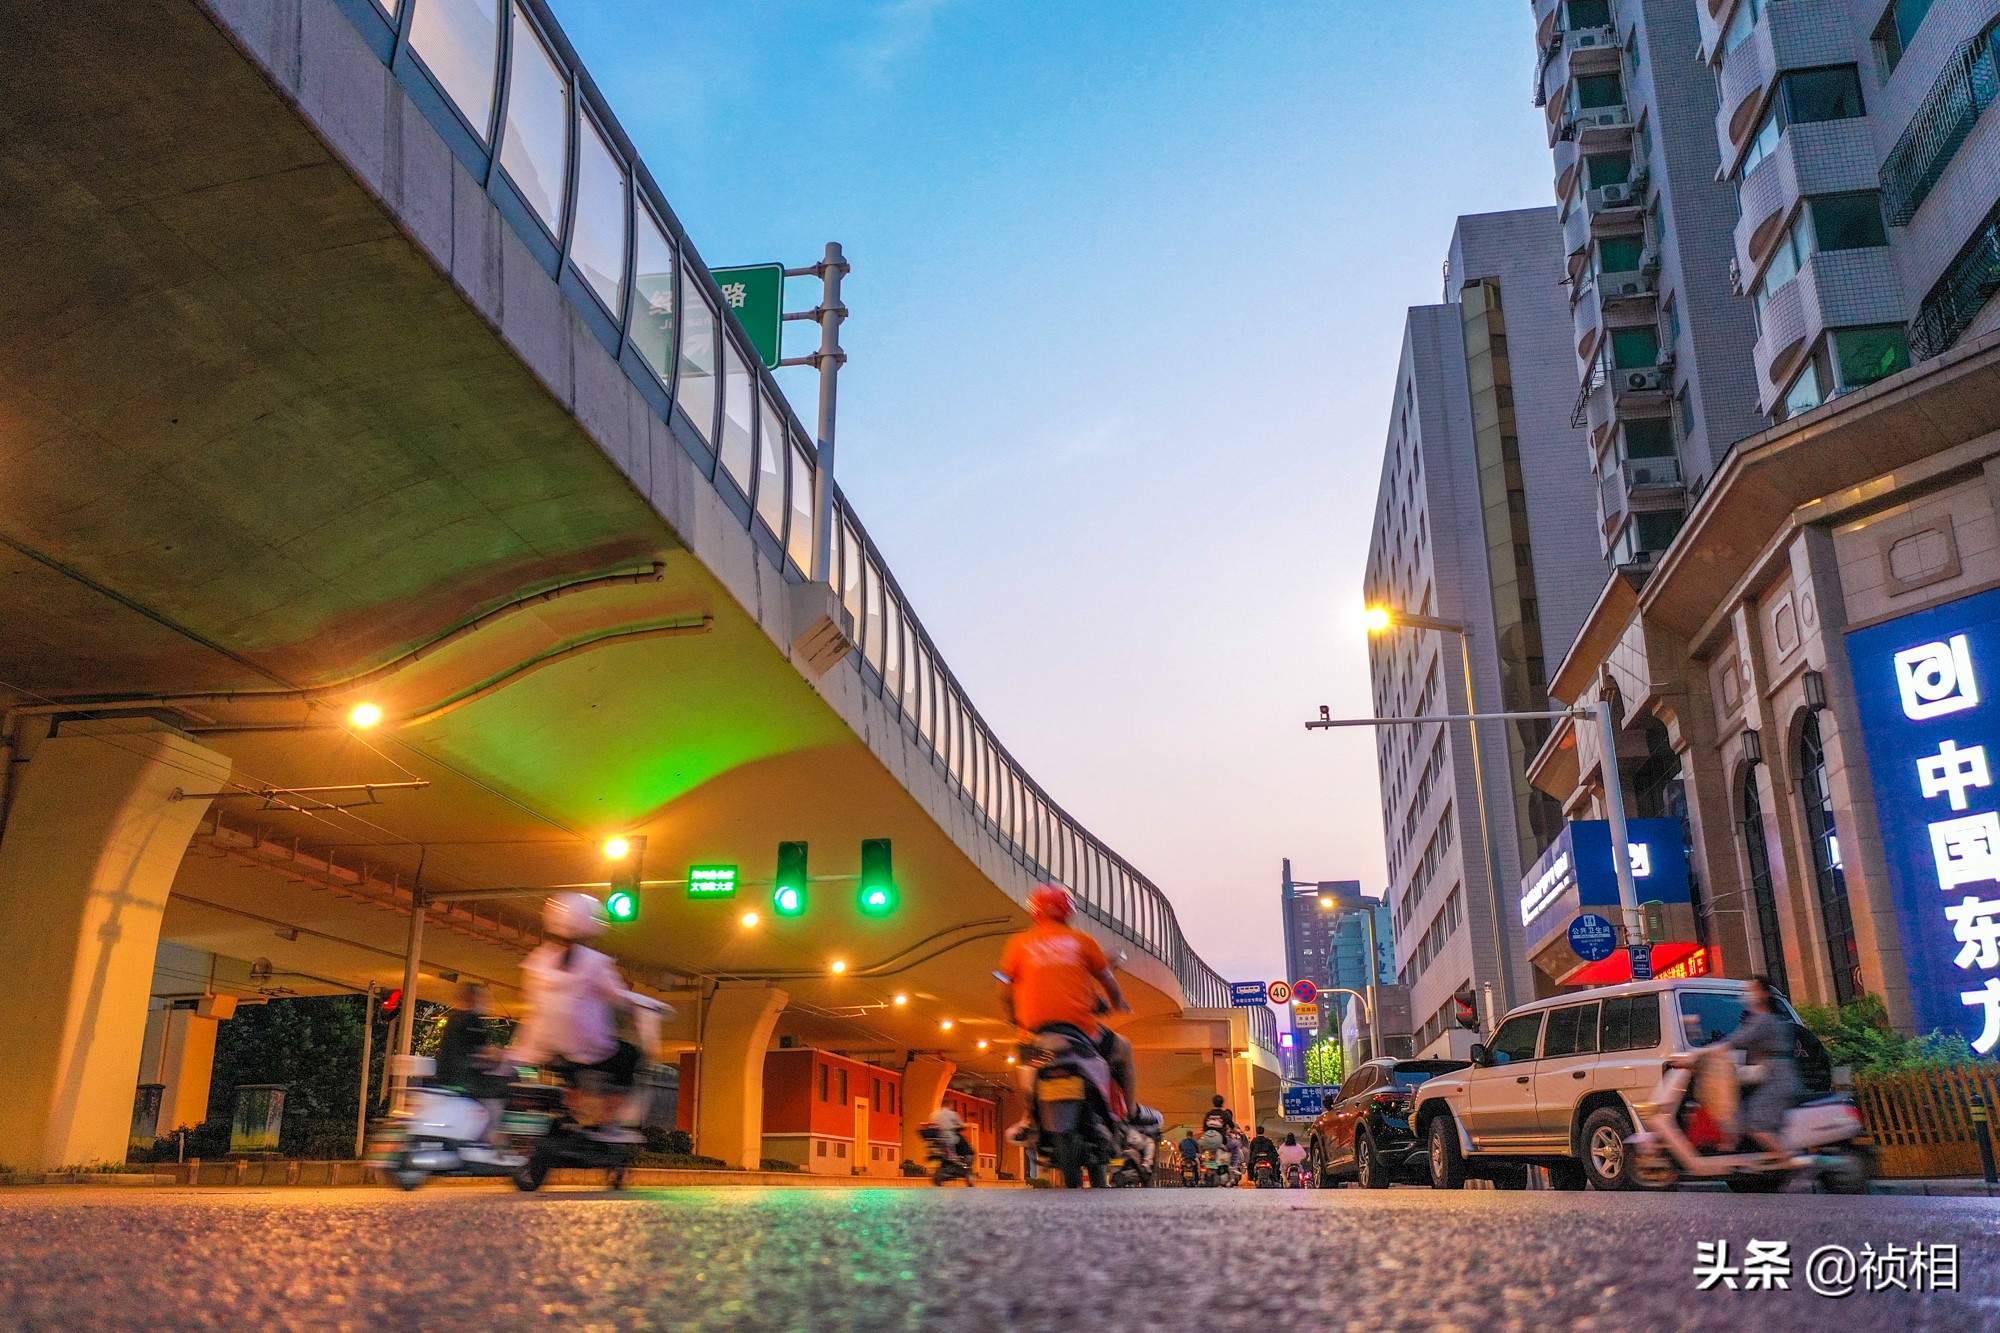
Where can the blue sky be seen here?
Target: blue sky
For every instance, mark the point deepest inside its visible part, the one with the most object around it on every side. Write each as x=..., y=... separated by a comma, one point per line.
x=1128, y=291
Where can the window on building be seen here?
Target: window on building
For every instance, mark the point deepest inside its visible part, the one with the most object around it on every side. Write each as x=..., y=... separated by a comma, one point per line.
x=1635, y=349
x=1805, y=394
x=1621, y=254
x=1588, y=14
x=1847, y=221
x=1814, y=95
x=1741, y=24
x=822, y=1082
x=1599, y=90
x=1829, y=872
x=842, y=1081
x=1763, y=893
x=1687, y=414
x=1892, y=35
x=1609, y=169
x=1862, y=356
x=1649, y=437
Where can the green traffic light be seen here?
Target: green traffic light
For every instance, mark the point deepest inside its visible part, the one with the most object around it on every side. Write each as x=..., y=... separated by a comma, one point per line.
x=622, y=906
x=788, y=898
x=878, y=879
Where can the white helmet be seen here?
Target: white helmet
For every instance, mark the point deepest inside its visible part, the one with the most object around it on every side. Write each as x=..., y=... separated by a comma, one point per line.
x=573, y=916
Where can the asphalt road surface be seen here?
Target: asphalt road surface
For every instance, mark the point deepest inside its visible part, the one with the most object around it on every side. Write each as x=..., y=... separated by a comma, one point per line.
x=1278, y=1262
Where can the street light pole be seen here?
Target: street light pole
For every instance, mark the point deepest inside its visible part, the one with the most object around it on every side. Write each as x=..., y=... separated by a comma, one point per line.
x=1495, y=910
x=828, y=360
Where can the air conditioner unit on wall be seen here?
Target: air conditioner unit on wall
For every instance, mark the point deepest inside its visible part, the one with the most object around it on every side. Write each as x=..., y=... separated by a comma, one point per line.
x=1642, y=381
x=1614, y=196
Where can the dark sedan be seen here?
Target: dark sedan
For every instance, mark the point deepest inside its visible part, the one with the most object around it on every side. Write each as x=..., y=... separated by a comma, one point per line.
x=1365, y=1135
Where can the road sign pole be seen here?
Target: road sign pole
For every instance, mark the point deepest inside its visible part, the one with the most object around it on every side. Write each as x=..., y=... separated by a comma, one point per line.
x=828, y=360
x=1614, y=804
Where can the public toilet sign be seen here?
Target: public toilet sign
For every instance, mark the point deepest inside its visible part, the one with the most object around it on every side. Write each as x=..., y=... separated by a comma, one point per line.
x=1592, y=938
x=1926, y=686
x=1306, y=1103
x=755, y=294
x=1246, y=994
x=711, y=881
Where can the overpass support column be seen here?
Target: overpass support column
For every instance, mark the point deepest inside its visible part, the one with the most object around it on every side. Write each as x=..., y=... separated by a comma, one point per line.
x=729, y=1089
x=180, y=1056
x=1013, y=1109
x=925, y=1078
x=87, y=858
x=1233, y=1081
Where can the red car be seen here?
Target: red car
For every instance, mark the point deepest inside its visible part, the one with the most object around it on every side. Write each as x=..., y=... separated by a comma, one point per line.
x=1366, y=1135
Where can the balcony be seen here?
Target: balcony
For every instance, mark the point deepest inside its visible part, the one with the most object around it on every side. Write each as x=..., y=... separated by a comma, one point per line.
x=1794, y=34
x=1641, y=284
x=1592, y=50
x=1957, y=298
x=1587, y=322
x=1599, y=128
x=1835, y=289
x=1639, y=486
x=1826, y=157
x=1569, y=168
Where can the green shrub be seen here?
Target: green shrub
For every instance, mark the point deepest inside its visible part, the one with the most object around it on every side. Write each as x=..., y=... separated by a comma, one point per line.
x=1858, y=1035
x=777, y=1164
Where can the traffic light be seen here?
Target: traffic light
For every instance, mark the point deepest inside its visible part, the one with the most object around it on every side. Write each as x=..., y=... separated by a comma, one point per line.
x=1465, y=1008
x=627, y=861
x=878, y=896
x=788, y=893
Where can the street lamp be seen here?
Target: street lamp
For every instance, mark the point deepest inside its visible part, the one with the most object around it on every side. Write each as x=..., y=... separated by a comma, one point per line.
x=1614, y=787
x=1382, y=619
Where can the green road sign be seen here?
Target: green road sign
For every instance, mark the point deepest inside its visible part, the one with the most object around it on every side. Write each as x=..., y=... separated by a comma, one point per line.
x=711, y=881
x=756, y=295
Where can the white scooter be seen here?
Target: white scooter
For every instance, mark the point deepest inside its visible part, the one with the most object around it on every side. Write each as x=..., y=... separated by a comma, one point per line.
x=1682, y=1140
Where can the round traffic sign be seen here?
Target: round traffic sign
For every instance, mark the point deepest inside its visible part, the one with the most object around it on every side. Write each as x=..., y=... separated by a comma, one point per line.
x=1280, y=992
x=1304, y=992
x=1592, y=937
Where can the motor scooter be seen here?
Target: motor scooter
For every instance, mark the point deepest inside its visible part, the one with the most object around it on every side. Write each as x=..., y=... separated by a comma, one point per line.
x=950, y=1160
x=1075, y=1107
x=1683, y=1140
x=1296, y=1176
x=1134, y=1166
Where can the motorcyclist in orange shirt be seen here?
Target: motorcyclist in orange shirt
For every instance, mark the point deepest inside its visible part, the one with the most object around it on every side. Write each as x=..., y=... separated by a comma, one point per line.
x=1053, y=973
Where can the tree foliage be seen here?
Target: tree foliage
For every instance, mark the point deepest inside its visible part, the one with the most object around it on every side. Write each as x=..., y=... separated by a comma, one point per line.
x=1326, y=1062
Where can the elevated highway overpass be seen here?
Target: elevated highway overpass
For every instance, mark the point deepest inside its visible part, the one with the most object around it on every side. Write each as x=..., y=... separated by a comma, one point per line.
x=354, y=356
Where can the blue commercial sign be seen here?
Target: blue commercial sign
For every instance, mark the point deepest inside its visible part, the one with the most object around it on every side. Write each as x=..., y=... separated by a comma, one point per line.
x=1246, y=994
x=1576, y=873
x=1926, y=683
x=1592, y=937
x=1307, y=1102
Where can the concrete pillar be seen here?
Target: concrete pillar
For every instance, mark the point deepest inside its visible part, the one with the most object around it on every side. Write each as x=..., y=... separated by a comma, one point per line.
x=86, y=861
x=729, y=1092
x=1013, y=1109
x=1233, y=1081
x=925, y=1079
x=180, y=1056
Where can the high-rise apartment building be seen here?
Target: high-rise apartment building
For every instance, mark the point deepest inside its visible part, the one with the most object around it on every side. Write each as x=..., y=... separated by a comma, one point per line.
x=1867, y=177
x=1475, y=523
x=1661, y=339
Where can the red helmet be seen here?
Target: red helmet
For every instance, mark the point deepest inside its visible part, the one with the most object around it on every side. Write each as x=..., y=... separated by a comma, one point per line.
x=1051, y=902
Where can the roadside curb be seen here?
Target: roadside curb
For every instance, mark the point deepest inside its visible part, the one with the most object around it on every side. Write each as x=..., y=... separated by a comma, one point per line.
x=1962, y=1189
x=350, y=1175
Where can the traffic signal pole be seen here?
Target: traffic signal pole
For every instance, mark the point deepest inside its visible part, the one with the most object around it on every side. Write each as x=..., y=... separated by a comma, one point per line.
x=829, y=315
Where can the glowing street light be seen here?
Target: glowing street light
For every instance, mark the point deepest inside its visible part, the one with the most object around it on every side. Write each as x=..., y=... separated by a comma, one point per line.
x=1376, y=619
x=365, y=715
x=750, y=919
x=839, y=966
x=947, y=1025
x=616, y=849
x=902, y=999
x=982, y=1043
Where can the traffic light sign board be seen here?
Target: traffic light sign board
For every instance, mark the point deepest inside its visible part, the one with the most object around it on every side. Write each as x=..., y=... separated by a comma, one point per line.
x=877, y=896
x=788, y=894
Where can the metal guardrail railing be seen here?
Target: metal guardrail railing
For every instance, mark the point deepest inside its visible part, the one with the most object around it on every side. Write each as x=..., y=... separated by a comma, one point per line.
x=1968, y=84
x=1957, y=296
x=502, y=84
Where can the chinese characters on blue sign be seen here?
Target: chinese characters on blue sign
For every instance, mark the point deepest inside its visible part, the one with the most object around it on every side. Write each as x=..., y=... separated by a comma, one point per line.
x=1577, y=873
x=1929, y=725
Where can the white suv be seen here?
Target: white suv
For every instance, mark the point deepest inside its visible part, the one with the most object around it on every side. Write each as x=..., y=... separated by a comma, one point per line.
x=1563, y=1082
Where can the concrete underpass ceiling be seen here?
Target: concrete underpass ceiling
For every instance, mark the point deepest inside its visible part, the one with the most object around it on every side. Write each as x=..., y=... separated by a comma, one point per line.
x=251, y=436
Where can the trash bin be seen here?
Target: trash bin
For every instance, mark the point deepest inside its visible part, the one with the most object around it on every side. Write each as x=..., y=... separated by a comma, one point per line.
x=260, y=1115
x=146, y=1104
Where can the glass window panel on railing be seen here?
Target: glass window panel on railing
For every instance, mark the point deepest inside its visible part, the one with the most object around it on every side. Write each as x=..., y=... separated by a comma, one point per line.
x=651, y=322
x=459, y=43
x=957, y=764
x=874, y=604
x=534, y=150
x=738, y=411
x=913, y=675
x=850, y=575
x=799, y=536
x=773, y=457
x=892, y=649
x=597, y=242
x=926, y=697
x=695, y=389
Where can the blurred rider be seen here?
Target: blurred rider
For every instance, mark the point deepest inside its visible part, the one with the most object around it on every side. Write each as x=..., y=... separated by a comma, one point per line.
x=1218, y=1117
x=1263, y=1149
x=1291, y=1153
x=1053, y=973
x=575, y=994
x=948, y=1132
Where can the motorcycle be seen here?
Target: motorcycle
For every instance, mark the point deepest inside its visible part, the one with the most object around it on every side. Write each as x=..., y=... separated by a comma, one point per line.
x=1217, y=1171
x=1134, y=1167
x=951, y=1160
x=1683, y=1140
x=1264, y=1175
x=443, y=1132
x=1190, y=1173
x=1296, y=1177
x=1072, y=1115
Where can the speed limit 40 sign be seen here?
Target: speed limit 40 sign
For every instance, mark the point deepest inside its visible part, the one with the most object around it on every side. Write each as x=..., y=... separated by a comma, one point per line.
x=1280, y=992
